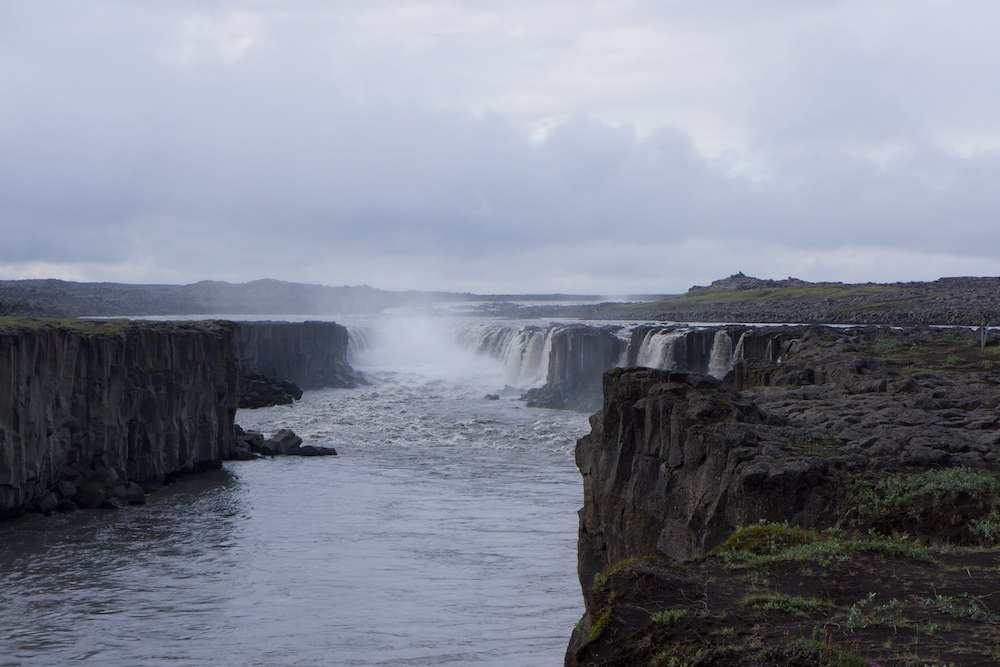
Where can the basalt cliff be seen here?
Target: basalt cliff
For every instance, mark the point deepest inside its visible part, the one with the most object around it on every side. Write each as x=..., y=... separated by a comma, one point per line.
x=837, y=504
x=96, y=413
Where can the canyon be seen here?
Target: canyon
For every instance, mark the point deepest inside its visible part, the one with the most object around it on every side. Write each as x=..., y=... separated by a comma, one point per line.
x=739, y=481
x=96, y=413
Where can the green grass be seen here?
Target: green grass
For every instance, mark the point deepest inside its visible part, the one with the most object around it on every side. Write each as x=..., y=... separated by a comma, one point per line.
x=869, y=612
x=600, y=623
x=909, y=495
x=986, y=529
x=809, y=651
x=768, y=544
x=765, y=294
x=960, y=607
x=668, y=616
x=601, y=578
x=783, y=604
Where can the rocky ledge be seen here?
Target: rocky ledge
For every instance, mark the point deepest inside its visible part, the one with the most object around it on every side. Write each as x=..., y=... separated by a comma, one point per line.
x=839, y=507
x=96, y=414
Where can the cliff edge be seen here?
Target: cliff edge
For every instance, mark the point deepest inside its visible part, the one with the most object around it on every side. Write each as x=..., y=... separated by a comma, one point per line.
x=87, y=405
x=837, y=506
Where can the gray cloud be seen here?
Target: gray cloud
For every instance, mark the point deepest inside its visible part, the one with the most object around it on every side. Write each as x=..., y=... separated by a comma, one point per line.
x=599, y=147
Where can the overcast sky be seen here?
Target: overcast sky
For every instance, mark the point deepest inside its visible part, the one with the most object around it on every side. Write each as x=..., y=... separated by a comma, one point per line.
x=499, y=146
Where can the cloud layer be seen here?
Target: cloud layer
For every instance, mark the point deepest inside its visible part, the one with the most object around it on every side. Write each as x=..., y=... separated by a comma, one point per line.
x=511, y=147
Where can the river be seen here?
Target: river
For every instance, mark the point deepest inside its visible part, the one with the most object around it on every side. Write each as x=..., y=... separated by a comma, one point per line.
x=443, y=534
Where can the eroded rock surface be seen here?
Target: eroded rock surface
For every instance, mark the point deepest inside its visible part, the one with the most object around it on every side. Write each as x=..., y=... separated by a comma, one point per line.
x=91, y=411
x=677, y=463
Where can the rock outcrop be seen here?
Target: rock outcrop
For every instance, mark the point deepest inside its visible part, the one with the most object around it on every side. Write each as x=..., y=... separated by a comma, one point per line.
x=309, y=354
x=87, y=407
x=800, y=437
x=577, y=358
x=252, y=444
x=93, y=414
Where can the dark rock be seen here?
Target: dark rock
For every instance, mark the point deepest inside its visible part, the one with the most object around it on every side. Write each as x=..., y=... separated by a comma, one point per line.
x=313, y=450
x=107, y=402
x=130, y=493
x=309, y=354
x=92, y=493
x=492, y=397
x=48, y=503
x=286, y=443
x=258, y=391
x=675, y=462
x=66, y=506
x=579, y=355
x=67, y=489
x=111, y=504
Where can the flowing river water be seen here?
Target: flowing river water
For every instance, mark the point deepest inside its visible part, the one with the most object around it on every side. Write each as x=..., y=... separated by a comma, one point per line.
x=443, y=534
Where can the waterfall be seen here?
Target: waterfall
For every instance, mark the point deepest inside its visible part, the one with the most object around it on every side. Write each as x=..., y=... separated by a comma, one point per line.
x=721, y=361
x=523, y=351
x=662, y=349
x=739, y=354
x=359, y=339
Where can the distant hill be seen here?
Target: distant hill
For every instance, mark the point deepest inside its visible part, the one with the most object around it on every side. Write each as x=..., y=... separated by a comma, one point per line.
x=739, y=298
x=60, y=298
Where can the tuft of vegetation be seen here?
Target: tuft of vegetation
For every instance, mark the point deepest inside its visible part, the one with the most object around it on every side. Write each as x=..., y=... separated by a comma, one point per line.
x=961, y=607
x=868, y=612
x=986, y=530
x=600, y=623
x=924, y=496
x=767, y=544
x=668, y=616
x=766, y=538
x=624, y=565
x=809, y=652
x=783, y=604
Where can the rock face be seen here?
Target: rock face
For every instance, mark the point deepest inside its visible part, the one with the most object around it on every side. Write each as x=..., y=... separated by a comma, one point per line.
x=308, y=354
x=87, y=407
x=676, y=462
x=577, y=358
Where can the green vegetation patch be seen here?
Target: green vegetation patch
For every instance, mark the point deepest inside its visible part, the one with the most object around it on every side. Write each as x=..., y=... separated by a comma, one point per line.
x=668, y=616
x=969, y=608
x=809, y=652
x=766, y=294
x=624, y=565
x=986, y=530
x=953, y=503
x=768, y=544
x=784, y=604
x=600, y=623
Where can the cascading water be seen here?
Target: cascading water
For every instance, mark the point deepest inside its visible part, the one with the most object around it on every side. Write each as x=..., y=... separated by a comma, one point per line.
x=523, y=351
x=721, y=361
x=739, y=353
x=359, y=341
x=686, y=349
x=661, y=349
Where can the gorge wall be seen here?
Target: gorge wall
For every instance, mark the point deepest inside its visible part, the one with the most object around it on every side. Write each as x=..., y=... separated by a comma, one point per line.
x=124, y=402
x=310, y=354
x=677, y=463
x=93, y=410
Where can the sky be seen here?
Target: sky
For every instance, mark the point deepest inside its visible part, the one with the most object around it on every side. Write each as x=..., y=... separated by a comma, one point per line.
x=499, y=145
